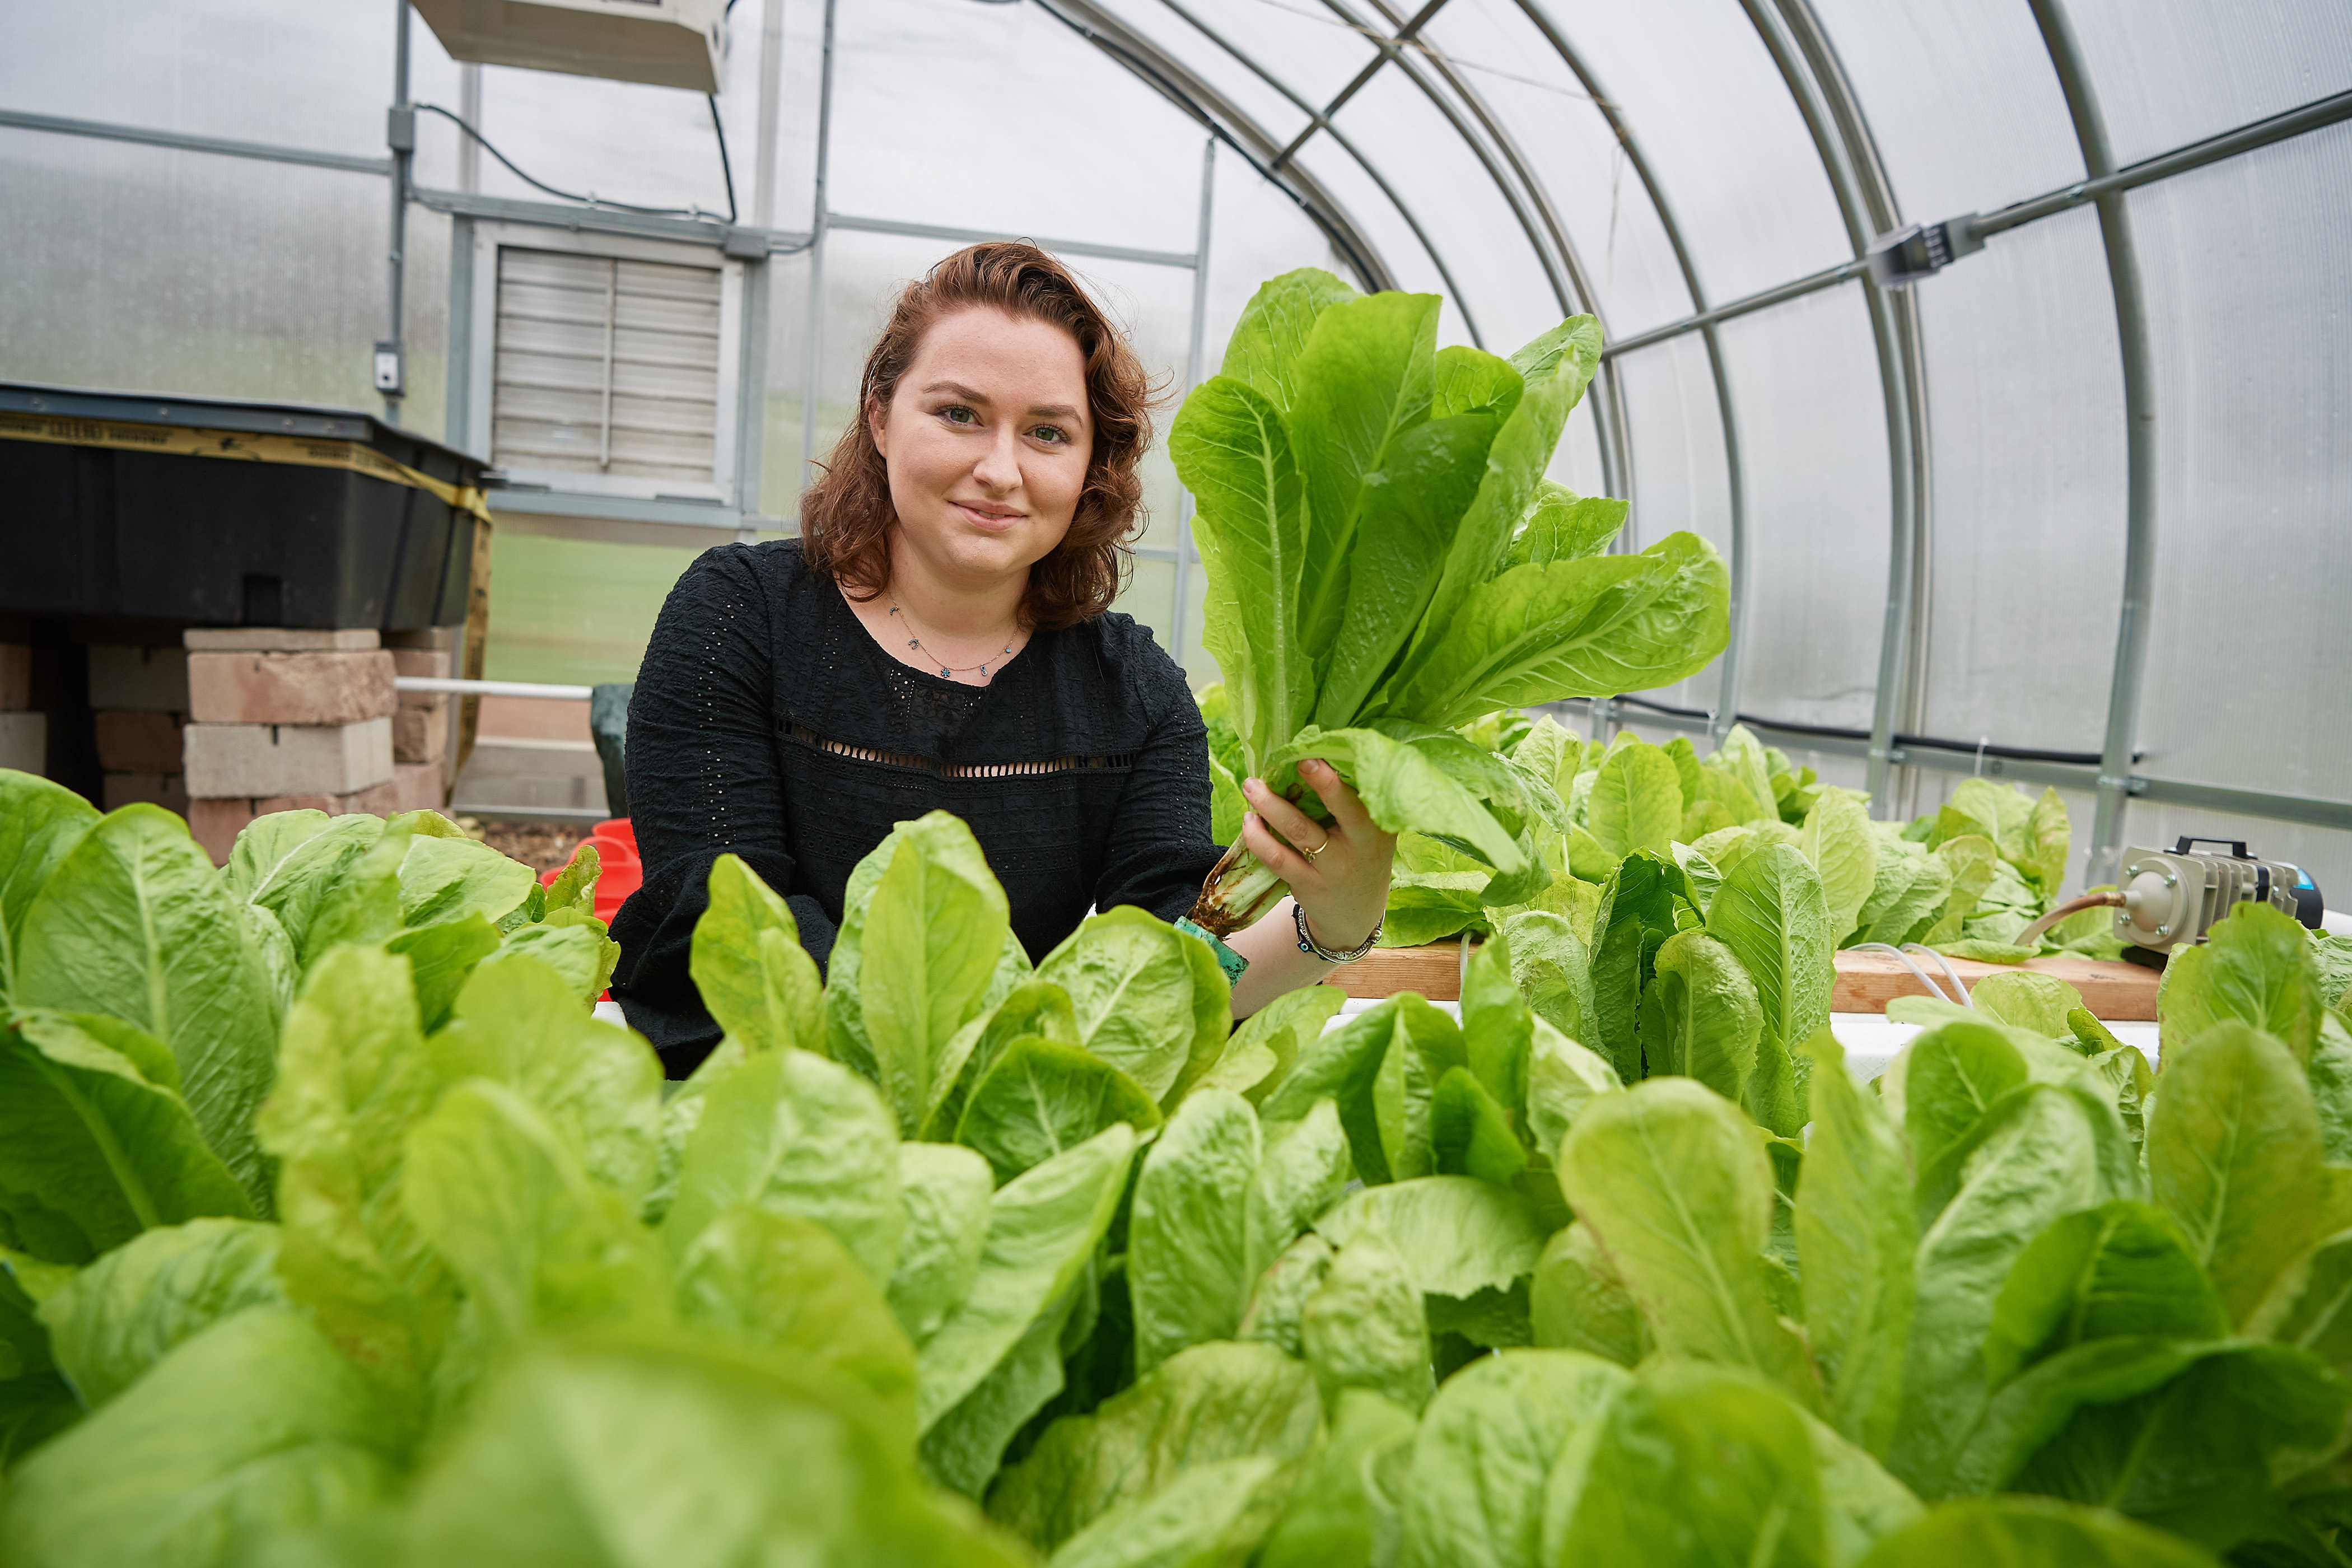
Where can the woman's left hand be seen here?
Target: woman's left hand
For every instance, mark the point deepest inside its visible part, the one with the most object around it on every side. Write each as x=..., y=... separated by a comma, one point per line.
x=1339, y=870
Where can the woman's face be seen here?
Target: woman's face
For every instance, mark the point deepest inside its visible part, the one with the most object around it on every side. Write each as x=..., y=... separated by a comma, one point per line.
x=986, y=441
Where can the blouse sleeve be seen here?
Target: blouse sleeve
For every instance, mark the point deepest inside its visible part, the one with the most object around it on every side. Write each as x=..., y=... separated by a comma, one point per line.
x=704, y=781
x=1160, y=848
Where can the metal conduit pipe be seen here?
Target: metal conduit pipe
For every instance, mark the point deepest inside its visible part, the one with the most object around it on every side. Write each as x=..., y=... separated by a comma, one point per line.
x=1832, y=141
x=1728, y=688
x=400, y=126
x=819, y=215
x=2139, y=433
x=1903, y=661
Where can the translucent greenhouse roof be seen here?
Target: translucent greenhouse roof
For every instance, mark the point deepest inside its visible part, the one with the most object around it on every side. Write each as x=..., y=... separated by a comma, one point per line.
x=2073, y=510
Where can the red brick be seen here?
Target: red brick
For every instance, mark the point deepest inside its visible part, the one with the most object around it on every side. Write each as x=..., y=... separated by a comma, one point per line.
x=166, y=790
x=16, y=676
x=289, y=688
x=420, y=734
x=430, y=663
x=24, y=742
x=420, y=787
x=138, y=742
x=379, y=800
x=215, y=824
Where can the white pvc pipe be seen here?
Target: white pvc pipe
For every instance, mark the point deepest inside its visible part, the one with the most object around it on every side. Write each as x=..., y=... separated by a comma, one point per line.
x=492, y=688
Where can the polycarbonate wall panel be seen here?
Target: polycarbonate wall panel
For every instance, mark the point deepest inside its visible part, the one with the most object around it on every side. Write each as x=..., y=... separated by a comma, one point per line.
x=1812, y=440
x=1579, y=160
x=921, y=90
x=2172, y=71
x=148, y=270
x=1716, y=123
x=1434, y=173
x=1219, y=61
x=2026, y=427
x=1577, y=464
x=1962, y=104
x=256, y=70
x=2249, y=643
x=1410, y=263
x=1311, y=51
x=1678, y=466
x=1255, y=232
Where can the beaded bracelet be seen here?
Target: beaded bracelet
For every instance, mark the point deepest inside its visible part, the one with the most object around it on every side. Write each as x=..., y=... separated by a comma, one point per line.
x=1306, y=942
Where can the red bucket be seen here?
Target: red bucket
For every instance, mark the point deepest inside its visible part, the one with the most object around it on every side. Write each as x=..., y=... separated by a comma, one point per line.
x=619, y=871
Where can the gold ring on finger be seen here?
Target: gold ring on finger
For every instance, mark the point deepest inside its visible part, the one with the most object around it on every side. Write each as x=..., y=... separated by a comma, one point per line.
x=1318, y=849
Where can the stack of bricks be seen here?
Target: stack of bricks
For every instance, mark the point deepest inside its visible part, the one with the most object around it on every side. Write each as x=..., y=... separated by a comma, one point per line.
x=420, y=725
x=24, y=734
x=285, y=719
x=140, y=702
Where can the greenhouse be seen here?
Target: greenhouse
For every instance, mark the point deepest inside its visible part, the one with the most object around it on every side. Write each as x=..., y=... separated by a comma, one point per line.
x=1105, y=783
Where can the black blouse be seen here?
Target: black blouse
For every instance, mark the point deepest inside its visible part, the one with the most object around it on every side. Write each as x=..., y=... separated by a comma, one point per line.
x=766, y=722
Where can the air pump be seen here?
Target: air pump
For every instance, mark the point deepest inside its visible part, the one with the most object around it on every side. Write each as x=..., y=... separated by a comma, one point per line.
x=2173, y=898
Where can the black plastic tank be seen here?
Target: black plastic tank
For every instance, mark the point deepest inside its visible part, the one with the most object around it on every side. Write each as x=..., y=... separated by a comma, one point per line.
x=107, y=510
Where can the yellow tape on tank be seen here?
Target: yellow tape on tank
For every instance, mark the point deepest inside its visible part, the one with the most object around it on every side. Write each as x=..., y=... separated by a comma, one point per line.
x=180, y=441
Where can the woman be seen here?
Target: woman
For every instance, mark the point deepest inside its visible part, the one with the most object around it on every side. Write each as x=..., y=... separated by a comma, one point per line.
x=939, y=637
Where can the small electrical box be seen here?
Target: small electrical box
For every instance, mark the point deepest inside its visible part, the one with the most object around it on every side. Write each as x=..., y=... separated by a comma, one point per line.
x=2173, y=898
x=1921, y=250
x=389, y=377
x=665, y=43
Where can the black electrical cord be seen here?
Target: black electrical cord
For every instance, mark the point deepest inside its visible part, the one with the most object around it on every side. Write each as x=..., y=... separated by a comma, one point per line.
x=590, y=200
x=725, y=166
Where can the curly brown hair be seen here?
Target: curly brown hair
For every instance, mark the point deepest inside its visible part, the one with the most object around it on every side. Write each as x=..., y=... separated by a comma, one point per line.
x=847, y=515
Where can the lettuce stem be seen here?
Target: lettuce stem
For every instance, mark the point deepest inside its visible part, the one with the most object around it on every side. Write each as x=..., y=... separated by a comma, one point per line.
x=1237, y=893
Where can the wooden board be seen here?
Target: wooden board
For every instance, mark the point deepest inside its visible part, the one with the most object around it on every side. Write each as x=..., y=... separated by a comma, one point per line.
x=1867, y=982
x=1436, y=971
x=2118, y=992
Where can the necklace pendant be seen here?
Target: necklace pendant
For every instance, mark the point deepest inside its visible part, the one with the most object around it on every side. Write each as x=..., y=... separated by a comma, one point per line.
x=914, y=642
x=984, y=670
x=945, y=670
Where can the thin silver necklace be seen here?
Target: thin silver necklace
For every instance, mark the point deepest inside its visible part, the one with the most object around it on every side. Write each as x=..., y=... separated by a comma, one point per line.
x=949, y=670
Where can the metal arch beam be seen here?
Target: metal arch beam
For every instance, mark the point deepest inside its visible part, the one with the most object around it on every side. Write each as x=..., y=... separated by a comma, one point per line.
x=1840, y=139
x=1903, y=662
x=1571, y=285
x=1371, y=170
x=1221, y=115
x=1388, y=48
x=1727, y=692
x=2139, y=430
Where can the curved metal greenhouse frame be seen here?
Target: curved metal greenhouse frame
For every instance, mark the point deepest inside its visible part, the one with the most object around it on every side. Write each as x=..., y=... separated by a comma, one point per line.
x=1313, y=97
x=1802, y=50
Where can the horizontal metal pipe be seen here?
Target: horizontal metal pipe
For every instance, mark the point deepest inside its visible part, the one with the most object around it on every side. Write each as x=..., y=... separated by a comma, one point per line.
x=2294, y=122
x=435, y=683
x=2300, y=808
x=1184, y=259
x=269, y=151
x=1811, y=283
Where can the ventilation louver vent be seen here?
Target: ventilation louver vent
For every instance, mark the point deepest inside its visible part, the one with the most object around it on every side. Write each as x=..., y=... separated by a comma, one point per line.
x=605, y=366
